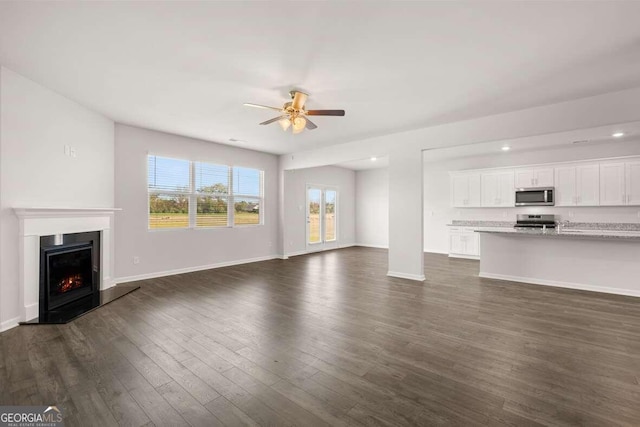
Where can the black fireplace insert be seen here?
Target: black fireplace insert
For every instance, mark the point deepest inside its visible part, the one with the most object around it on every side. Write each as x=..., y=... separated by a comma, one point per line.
x=69, y=274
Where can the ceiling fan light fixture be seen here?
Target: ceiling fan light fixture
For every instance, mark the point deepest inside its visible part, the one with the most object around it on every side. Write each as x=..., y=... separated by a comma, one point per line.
x=298, y=124
x=284, y=124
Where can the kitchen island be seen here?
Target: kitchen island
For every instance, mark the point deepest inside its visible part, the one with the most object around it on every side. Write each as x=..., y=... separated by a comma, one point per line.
x=605, y=260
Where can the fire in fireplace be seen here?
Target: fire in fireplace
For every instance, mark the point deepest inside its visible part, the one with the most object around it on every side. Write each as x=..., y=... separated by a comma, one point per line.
x=70, y=283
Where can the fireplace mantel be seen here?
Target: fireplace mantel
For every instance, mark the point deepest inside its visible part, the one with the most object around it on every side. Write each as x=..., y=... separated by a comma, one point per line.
x=42, y=221
x=57, y=212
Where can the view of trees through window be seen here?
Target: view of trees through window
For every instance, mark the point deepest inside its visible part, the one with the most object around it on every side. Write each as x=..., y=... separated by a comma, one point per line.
x=170, y=200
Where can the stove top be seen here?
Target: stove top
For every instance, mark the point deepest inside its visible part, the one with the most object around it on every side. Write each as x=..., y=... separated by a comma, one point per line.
x=536, y=221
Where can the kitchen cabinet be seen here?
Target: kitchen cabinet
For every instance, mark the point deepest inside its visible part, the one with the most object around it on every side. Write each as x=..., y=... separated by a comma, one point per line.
x=602, y=182
x=565, y=189
x=533, y=177
x=464, y=242
x=620, y=183
x=497, y=189
x=577, y=185
x=632, y=172
x=465, y=190
x=588, y=185
x=612, y=184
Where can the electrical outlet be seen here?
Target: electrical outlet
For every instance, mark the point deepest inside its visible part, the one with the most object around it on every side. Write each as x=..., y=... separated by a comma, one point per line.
x=136, y=260
x=72, y=152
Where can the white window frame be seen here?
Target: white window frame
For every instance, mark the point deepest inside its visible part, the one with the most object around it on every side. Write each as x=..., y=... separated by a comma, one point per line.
x=192, y=196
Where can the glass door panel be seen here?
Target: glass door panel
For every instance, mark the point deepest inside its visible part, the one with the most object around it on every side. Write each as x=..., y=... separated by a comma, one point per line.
x=314, y=224
x=330, y=197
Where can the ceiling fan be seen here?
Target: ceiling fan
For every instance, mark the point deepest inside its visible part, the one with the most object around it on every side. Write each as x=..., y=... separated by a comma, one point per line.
x=293, y=114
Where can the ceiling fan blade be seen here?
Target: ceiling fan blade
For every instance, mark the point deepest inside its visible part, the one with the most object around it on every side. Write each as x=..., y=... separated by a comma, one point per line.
x=275, y=119
x=325, y=113
x=262, y=106
x=310, y=125
x=299, y=98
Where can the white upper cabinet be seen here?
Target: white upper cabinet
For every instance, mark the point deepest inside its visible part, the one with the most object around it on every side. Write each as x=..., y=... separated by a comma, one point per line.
x=474, y=190
x=607, y=182
x=565, y=188
x=633, y=182
x=612, y=184
x=577, y=185
x=620, y=183
x=533, y=177
x=588, y=185
x=465, y=190
x=544, y=177
x=524, y=178
x=497, y=189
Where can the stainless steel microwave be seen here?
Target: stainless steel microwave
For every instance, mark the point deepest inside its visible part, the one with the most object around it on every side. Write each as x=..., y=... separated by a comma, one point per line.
x=541, y=196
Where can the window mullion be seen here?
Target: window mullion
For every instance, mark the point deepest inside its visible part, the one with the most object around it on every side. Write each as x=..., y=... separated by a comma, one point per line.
x=193, y=198
x=230, y=201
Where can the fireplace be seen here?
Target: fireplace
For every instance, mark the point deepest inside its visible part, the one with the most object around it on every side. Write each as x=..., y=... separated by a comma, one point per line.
x=69, y=273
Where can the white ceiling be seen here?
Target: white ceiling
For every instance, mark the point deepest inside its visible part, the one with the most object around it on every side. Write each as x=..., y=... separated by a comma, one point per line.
x=364, y=164
x=187, y=67
x=576, y=139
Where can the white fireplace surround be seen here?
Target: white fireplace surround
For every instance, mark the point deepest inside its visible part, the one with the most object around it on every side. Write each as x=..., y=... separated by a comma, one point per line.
x=36, y=222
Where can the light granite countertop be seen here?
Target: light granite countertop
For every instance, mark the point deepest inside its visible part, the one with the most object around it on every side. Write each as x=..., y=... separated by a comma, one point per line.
x=574, y=233
x=595, y=226
x=490, y=224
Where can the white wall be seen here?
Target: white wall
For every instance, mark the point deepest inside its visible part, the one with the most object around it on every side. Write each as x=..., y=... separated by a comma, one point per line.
x=372, y=208
x=162, y=251
x=295, y=183
x=437, y=206
x=35, y=125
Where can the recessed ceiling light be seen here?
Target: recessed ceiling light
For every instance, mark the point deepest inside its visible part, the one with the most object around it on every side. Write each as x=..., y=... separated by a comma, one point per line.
x=506, y=148
x=373, y=159
x=617, y=134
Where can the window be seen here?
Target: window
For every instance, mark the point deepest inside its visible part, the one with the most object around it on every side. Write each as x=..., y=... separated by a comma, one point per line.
x=184, y=194
x=247, y=189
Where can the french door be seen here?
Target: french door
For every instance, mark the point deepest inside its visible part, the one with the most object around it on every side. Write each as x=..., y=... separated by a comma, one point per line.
x=322, y=218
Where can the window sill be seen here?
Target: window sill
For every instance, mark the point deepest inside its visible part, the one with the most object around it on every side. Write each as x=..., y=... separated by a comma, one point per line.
x=154, y=230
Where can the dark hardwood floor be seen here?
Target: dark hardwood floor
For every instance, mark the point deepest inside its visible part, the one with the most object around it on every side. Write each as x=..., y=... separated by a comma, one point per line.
x=328, y=339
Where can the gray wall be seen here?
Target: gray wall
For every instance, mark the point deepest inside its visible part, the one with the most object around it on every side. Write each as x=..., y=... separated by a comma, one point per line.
x=295, y=183
x=372, y=208
x=162, y=251
x=35, y=125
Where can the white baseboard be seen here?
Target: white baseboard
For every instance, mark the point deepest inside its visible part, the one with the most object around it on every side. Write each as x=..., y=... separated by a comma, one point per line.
x=558, y=284
x=365, y=245
x=31, y=311
x=418, y=277
x=192, y=269
x=290, y=254
x=348, y=245
x=107, y=282
x=306, y=252
x=8, y=324
x=464, y=256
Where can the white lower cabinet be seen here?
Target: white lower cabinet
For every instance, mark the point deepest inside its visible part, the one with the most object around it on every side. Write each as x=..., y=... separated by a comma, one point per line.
x=464, y=242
